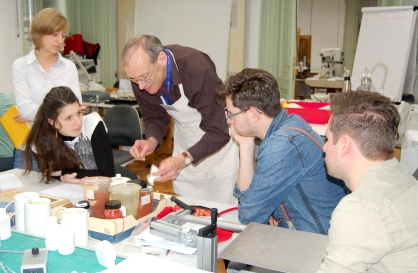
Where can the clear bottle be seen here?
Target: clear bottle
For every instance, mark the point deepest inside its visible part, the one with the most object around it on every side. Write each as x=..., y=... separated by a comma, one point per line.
x=366, y=81
x=5, y=225
x=346, y=84
x=52, y=233
x=66, y=238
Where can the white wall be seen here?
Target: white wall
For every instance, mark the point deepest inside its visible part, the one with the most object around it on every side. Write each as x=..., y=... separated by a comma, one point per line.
x=324, y=21
x=252, y=33
x=10, y=47
x=194, y=26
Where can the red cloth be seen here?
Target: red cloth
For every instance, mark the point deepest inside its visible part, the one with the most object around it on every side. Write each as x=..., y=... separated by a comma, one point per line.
x=223, y=234
x=74, y=43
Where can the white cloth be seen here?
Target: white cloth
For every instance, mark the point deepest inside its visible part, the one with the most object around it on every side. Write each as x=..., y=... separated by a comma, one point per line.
x=31, y=83
x=213, y=179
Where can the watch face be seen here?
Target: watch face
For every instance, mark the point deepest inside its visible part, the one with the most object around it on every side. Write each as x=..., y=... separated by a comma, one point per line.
x=187, y=160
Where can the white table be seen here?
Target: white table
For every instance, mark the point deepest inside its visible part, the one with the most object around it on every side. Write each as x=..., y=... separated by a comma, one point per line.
x=32, y=182
x=324, y=83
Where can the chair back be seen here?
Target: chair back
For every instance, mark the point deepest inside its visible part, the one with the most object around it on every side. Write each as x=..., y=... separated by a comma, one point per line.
x=123, y=124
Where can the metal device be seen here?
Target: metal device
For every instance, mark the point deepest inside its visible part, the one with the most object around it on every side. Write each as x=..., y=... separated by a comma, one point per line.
x=171, y=229
x=207, y=245
x=330, y=57
x=92, y=84
x=206, y=239
x=95, y=96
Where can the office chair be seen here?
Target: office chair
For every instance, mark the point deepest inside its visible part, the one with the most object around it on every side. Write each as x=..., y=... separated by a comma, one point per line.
x=124, y=127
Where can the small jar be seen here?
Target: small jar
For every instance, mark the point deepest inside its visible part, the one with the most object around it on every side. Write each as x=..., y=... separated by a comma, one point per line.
x=84, y=204
x=112, y=209
x=146, y=200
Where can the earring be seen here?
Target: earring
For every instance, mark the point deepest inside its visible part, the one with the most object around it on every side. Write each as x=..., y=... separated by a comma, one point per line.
x=56, y=133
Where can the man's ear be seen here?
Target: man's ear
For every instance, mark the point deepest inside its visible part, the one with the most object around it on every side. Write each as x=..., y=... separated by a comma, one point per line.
x=346, y=143
x=163, y=58
x=255, y=115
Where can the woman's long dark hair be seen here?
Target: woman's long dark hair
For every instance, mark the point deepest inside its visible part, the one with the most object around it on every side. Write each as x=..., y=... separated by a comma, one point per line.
x=50, y=150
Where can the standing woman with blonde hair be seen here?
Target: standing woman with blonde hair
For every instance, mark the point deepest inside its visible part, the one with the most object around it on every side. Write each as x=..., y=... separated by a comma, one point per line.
x=42, y=69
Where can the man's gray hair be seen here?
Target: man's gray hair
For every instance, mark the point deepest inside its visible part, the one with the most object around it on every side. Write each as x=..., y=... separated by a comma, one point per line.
x=151, y=44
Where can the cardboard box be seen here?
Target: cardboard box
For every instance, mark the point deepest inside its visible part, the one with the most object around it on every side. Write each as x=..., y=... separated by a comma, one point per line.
x=311, y=111
x=116, y=230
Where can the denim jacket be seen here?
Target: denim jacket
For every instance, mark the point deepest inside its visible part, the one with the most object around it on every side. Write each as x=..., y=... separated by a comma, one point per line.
x=290, y=169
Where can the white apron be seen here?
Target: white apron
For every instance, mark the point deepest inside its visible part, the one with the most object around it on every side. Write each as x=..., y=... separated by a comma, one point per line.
x=213, y=179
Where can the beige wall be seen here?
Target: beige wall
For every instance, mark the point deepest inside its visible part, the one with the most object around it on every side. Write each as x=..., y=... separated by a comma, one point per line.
x=236, y=38
x=126, y=18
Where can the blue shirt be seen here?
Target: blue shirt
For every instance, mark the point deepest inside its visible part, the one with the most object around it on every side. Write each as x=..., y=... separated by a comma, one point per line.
x=290, y=169
x=6, y=145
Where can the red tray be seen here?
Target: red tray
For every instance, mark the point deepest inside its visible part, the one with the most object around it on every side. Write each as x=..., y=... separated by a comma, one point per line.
x=311, y=112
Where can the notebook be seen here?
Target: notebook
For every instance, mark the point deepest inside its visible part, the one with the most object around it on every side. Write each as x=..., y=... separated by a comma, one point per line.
x=17, y=131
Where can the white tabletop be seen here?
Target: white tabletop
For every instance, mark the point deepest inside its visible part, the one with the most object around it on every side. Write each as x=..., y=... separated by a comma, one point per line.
x=31, y=182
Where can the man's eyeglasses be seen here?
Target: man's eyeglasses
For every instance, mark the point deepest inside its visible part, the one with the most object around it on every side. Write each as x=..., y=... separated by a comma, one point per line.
x=242, y=111
x=142, y=78
x=236, y=114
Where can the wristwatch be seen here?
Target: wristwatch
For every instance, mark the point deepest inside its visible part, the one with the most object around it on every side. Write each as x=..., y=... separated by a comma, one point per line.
x=187, y=159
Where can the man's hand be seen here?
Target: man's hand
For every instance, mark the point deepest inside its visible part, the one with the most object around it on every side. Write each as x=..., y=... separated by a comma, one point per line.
x=143, y=148
x=169, y=168
x=242, y=140
x=18, y=118
x=83, y=108
x=70, y=178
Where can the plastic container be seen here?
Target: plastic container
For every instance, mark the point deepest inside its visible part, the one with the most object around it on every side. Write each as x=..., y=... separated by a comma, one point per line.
x=128, y=195
x=96, y=191
x=311, y=111
x=118, y=179
x=5, y=225
x=146, y=201
x=66, y=239
x=113, y=210
x=52, y=231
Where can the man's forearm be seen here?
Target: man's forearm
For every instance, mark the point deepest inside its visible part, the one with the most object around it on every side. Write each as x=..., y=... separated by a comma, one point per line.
x=246, y=166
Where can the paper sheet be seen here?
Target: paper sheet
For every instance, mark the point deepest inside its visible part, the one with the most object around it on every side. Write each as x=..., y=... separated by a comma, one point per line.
x=147, y=239
x=72, y=192
x=148, y=263
x=9, y=181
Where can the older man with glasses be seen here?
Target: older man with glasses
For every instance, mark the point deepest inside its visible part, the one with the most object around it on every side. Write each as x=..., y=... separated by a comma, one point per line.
x=180, y=82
